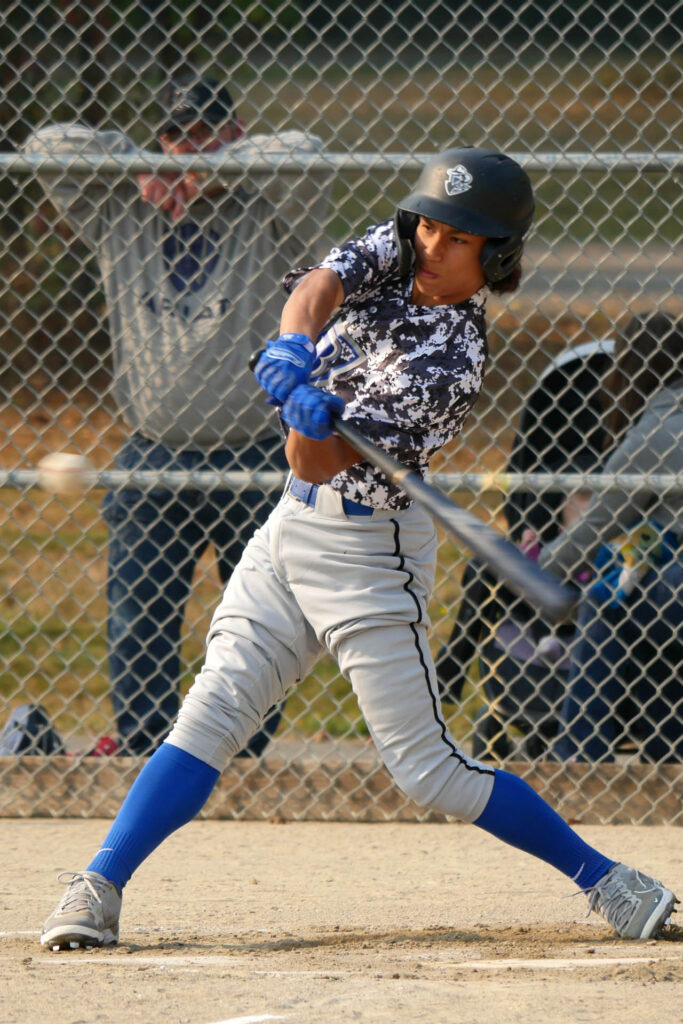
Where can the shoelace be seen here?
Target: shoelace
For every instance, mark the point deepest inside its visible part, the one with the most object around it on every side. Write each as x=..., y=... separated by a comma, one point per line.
x=78, y=898
x=615, y=901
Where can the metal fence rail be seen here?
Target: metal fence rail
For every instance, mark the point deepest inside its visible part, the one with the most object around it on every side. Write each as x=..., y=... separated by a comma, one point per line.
x=587, y=100
x=477, y=483
x=230, y=163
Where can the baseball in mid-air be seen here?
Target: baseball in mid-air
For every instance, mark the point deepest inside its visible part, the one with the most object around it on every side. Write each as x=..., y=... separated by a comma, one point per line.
x=65, y=473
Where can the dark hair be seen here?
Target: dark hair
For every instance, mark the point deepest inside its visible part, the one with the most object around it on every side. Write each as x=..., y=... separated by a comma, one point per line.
x=647, y=355
x=509, y=283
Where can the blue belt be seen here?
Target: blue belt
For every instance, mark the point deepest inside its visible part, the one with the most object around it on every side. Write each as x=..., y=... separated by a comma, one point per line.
x=307, y=493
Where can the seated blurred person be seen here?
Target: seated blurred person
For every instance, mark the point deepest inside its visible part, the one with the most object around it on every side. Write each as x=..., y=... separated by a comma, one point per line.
x=522, y=662
x=628, y=640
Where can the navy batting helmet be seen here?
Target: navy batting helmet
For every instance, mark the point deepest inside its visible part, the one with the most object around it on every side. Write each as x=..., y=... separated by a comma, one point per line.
x=478, y=191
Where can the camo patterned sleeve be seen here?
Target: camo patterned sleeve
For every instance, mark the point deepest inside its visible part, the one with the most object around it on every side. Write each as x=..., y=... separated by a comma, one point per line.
x=360, y=264
x=408, y=374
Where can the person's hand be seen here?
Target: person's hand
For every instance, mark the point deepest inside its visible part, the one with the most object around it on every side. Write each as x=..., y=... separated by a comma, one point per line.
x=310, y=411
x=158, y=189
x=529, y=544
x=185, y=193
x=169, y=192
x=285, y=364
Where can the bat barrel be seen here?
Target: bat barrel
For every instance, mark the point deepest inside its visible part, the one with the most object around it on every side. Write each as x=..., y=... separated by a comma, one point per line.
x=503, y=558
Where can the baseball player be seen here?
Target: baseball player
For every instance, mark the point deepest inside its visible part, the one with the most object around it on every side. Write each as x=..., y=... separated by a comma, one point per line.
x=190, y=269
x=345, y=563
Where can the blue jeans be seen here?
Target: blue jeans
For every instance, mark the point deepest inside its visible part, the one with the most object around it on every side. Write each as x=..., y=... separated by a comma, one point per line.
x=632, y=652
x=155, y=541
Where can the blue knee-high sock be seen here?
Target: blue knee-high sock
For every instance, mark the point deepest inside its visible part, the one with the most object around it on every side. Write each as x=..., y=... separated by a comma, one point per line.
x=516, y=814
x=169, y=791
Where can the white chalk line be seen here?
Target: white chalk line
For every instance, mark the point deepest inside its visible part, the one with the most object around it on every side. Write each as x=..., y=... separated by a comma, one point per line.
x=254, y=1019
x=170, y=962
x=182, y=963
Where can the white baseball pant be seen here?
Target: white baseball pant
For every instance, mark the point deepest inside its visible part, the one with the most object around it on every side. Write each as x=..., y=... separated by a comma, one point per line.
x=318, y=579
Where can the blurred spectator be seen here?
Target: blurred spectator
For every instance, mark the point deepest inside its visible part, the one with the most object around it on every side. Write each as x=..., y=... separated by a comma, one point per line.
x=628, y=641
x=191, y=268
x=521, y=661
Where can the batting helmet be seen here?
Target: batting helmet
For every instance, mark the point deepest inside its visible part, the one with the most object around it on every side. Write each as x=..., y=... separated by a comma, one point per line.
x=478, y=191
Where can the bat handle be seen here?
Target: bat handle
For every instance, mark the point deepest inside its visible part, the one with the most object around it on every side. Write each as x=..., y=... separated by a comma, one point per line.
x=344, y=430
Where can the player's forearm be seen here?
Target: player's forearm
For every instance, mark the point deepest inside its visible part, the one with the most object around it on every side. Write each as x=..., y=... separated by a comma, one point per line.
x=306, y=311
x=318, y=461
x=311, y=304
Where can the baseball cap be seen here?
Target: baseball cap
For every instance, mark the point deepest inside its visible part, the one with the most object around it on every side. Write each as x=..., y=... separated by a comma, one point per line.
x=195, y=99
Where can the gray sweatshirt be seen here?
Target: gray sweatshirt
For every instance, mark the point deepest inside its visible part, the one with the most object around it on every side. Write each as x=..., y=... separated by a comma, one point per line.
x=188, y=303
x=654, y=444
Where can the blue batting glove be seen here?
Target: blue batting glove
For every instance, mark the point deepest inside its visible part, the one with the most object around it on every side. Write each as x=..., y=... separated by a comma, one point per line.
x=286, y=363
x=310, y=411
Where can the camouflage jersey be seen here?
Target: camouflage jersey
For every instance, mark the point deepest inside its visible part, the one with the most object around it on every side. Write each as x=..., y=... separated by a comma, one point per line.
x=408, y=374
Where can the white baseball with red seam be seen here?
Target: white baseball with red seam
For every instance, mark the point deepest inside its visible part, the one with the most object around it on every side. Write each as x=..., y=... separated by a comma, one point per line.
x=65, y=473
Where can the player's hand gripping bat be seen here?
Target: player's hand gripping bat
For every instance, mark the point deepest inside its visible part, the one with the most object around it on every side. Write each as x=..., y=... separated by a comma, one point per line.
x=502, y=557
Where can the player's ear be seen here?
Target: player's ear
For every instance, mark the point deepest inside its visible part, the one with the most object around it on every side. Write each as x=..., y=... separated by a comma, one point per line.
x=405, y=226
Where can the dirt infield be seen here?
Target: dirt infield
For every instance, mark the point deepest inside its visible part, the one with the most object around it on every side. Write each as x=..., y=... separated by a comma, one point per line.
x=310, y=923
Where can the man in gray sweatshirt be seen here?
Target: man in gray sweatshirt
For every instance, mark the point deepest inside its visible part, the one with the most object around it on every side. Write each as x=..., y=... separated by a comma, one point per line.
x=191, y=267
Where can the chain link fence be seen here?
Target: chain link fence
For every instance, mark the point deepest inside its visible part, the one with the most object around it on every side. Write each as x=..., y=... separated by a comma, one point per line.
x=136, y=282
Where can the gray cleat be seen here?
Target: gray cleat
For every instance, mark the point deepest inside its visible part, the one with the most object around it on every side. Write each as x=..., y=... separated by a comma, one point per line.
x=87, y=914
x=635, y=905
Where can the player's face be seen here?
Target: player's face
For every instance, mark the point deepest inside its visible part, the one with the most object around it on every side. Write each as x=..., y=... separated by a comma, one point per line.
x=447, y=267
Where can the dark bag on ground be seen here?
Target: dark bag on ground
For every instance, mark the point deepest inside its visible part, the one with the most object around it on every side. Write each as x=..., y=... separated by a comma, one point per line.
x=28, y=730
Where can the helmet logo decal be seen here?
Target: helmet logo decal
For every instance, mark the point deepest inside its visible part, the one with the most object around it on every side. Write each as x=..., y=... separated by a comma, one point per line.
x=458, y=180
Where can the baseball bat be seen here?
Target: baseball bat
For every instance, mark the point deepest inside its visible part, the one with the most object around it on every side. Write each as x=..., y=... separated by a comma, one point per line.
x=502, y=557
